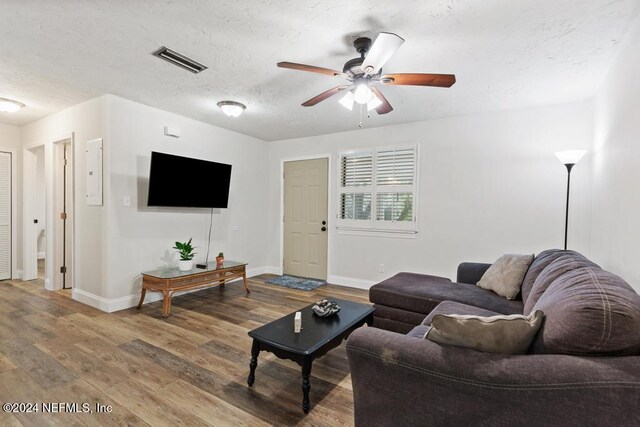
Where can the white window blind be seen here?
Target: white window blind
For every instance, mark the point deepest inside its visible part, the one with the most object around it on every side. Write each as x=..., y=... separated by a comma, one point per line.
x=5, y=216
x=378, y=189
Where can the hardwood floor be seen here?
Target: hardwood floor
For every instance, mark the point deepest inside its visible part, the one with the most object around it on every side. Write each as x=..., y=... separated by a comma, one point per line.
x=188, y=369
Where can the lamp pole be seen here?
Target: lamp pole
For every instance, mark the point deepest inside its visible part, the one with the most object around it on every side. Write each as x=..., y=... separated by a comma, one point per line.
x=569, y=158
x=566, y=213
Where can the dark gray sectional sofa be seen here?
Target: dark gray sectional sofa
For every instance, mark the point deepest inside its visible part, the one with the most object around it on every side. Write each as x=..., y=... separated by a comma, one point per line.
x=583, y=367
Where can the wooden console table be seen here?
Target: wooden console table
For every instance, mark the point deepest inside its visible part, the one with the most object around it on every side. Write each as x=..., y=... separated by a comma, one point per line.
x=171, y=280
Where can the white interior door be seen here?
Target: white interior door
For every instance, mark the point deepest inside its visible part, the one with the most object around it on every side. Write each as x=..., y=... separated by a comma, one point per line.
x=305, y=218
x=30, y=240
x=5, y=216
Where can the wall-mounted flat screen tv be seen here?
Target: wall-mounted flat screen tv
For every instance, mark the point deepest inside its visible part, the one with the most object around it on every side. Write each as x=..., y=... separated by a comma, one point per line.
x=186, y=182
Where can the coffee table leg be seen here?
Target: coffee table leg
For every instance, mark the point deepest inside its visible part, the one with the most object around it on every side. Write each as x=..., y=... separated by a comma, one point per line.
x=255, y=351
x=142, y=294
x=306, y=384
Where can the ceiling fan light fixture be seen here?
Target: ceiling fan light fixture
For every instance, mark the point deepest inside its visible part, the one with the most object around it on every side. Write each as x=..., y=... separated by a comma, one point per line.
x=347, y=100
x=362, y=94
x=9, y=105
x=231, y=108
x=374, y=102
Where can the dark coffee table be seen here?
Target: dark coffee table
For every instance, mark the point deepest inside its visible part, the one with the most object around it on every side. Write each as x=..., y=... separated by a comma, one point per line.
x=318, y=336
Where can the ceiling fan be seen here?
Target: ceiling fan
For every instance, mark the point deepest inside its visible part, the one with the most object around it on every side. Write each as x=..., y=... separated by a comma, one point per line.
x=365, y=72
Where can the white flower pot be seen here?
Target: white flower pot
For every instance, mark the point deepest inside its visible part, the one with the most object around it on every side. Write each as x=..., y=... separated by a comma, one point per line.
x=185, y=265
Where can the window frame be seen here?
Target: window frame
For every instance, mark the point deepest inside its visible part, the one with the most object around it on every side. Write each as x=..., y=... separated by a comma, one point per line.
x=373, y=225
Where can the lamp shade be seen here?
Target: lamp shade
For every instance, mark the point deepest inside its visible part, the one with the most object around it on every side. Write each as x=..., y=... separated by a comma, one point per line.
x=570, y=157
x=347, y=100
x=231, y=108
x=374, y=102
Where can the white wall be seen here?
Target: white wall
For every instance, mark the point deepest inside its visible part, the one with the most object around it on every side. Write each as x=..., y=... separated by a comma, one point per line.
x=616, y=160
x=489, y=184
x=10, y=142
x=141, y=238
x=85, y=122
x=41, y=202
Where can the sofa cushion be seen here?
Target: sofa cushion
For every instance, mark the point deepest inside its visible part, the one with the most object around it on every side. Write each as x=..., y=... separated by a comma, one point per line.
x=421, y=294
x=558, y=267
x=506, y=334
x=589, y=311
x=452, y=307
x=398, y=314
x=419, y=331
x=539, y=263
x=504, y=277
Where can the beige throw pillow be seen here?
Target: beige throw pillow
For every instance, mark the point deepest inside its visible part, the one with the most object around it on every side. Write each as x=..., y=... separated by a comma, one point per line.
x=505, y=276
x=507, y=334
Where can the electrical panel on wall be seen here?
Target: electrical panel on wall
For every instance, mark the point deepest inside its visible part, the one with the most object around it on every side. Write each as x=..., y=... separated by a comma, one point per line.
x=94, y=172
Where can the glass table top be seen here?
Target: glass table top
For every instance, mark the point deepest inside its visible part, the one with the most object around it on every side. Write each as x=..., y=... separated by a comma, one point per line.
x=174, y=273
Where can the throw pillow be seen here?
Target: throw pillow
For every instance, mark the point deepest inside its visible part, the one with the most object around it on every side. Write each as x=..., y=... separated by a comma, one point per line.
x=506, y=334
x=505, y=276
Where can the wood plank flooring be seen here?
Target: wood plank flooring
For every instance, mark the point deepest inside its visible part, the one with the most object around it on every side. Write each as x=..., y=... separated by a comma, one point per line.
x=188, y=369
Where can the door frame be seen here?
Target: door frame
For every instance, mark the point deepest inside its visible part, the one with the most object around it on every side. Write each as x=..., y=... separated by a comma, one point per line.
x=29, y=237
x=51, y=147
x=15, y=273
x=330, y=227
x=58, y=230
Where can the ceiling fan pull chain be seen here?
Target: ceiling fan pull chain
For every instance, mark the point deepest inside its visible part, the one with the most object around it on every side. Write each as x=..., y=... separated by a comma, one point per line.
x=361, y=109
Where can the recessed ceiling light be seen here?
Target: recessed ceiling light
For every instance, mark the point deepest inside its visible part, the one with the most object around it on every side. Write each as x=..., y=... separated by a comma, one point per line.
x=9, y=105
x=231, y=108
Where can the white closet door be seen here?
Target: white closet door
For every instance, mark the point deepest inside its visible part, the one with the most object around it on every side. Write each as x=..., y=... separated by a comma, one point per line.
x=5, y=216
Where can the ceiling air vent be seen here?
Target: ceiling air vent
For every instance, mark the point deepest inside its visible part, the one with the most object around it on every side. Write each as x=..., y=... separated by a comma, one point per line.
x=180, y=60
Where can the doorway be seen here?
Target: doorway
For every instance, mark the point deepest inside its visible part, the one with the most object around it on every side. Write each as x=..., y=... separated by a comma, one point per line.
x=5, y=215
x=40, y=218
x=48, y=214
x=305, y=209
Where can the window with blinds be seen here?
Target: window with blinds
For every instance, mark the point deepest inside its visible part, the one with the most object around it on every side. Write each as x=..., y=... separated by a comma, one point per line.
x=378, y=189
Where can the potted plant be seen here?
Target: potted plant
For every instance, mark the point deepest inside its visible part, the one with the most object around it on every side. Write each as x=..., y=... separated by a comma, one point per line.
x=186, y=255
x=219, y=260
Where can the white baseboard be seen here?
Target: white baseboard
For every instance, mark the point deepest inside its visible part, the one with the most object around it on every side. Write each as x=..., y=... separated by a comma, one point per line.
x=90, y=299
x=48, y=285
x=351, y=282
x=122, y=303
x=18, y=275
x=251, y=272
x=41, y=255
x=273, y=270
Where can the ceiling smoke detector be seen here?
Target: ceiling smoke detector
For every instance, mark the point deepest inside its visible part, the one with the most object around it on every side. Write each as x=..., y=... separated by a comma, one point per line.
x=180, y=60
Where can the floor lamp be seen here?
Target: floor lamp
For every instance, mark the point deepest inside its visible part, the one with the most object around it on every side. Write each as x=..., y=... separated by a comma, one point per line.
x=569, y=158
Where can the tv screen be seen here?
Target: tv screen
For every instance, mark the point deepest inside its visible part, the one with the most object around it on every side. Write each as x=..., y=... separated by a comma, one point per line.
x=185, y=182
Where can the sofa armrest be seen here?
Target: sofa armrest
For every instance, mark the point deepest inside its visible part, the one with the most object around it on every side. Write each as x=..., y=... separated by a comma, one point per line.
x=471, y=272
x=401, y=380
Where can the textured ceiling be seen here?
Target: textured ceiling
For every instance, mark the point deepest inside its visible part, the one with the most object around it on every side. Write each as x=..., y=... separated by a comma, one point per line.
x=505, y=54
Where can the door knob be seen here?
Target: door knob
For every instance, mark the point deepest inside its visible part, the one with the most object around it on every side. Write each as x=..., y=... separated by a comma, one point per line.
x=324, y=229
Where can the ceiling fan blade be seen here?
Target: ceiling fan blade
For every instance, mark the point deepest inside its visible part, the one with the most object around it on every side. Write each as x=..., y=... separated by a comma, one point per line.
x=416, y=79
x=324, y=95
x=385, y=107
x=382, y=49
x=311, y=68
